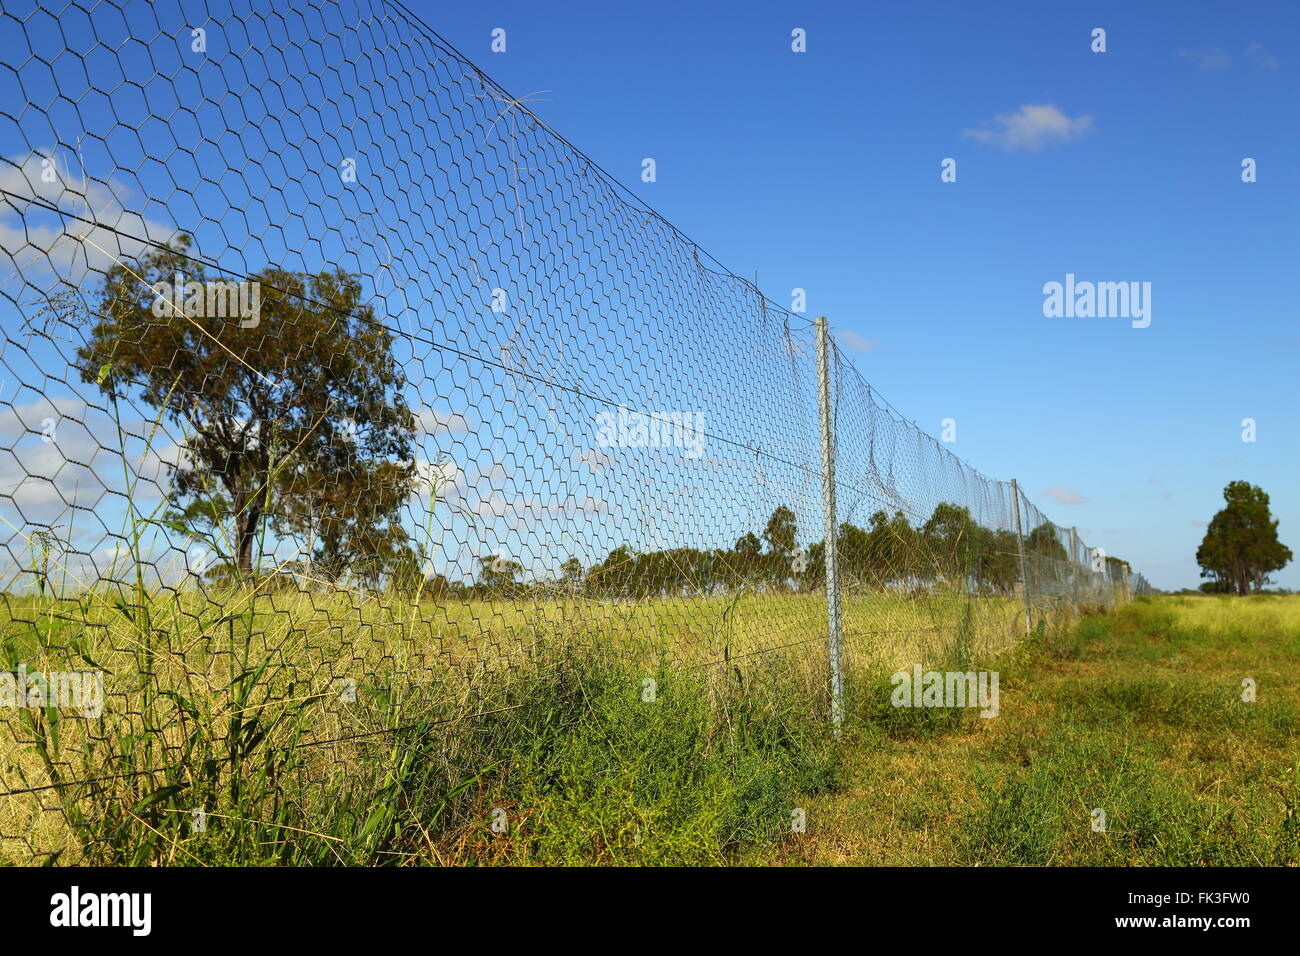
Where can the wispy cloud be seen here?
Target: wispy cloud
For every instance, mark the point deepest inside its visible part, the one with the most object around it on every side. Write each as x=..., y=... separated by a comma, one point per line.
x=854, y=342
x=1063, y=495
x=1031, y=127
x=39, y=182
x=1207, y=60
x=1259, y=56
x=431, y=421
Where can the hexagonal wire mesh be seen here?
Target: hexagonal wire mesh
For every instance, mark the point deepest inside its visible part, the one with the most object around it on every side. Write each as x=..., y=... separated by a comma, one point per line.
x=336, y=386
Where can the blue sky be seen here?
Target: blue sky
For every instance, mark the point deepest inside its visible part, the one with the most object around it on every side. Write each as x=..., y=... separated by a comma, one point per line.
x=817, y=170
x=821, y=170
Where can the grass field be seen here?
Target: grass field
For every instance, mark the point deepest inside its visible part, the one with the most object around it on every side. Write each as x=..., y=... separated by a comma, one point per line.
x=1138, y=713
x=648, y=733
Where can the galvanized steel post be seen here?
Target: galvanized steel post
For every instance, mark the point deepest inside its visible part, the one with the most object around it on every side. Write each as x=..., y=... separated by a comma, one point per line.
x=833, y=638
x=1020, y=544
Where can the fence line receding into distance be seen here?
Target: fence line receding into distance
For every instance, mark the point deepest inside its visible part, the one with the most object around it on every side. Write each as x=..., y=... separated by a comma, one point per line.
x=329, y=373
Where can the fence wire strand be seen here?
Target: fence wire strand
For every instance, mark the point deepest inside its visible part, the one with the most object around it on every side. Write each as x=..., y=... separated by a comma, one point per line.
x=339, y=395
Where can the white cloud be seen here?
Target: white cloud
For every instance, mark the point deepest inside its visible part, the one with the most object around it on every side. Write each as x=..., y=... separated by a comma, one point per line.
x=49, y=458
x=1262, y=59
x=525, y=512
x=495, y=505
x=437, y=474
x=1031, y=127
x=1063, y=495
x=61, y=469
x=1207, y=60
x=854, y=342
x=431, y=421
x=37, y=241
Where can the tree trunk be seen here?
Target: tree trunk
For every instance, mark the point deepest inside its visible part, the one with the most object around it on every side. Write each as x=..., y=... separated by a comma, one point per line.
x=250, y=516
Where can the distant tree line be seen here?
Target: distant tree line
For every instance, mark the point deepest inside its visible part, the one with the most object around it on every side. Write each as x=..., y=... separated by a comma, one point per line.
x=950, y=549
x=294, y=426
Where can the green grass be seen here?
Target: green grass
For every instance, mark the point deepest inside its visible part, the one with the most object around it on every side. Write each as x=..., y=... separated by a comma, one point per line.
x=232, y=703
x=563, y=744
x=596, y=774
x=1138, y=714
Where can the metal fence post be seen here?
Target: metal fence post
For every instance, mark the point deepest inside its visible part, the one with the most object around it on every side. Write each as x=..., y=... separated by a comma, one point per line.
x=1074, y=567
x=833, y=643
x=1020, y=545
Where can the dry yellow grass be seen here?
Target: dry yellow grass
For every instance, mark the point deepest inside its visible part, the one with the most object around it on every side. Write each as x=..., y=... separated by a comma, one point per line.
x=177, y=667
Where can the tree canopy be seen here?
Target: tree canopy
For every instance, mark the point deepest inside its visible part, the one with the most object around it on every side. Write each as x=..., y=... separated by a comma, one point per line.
x=294, y=416
x=1241, y=546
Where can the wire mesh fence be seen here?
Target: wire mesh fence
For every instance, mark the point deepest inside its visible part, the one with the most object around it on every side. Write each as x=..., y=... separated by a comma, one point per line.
x=340, y=394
